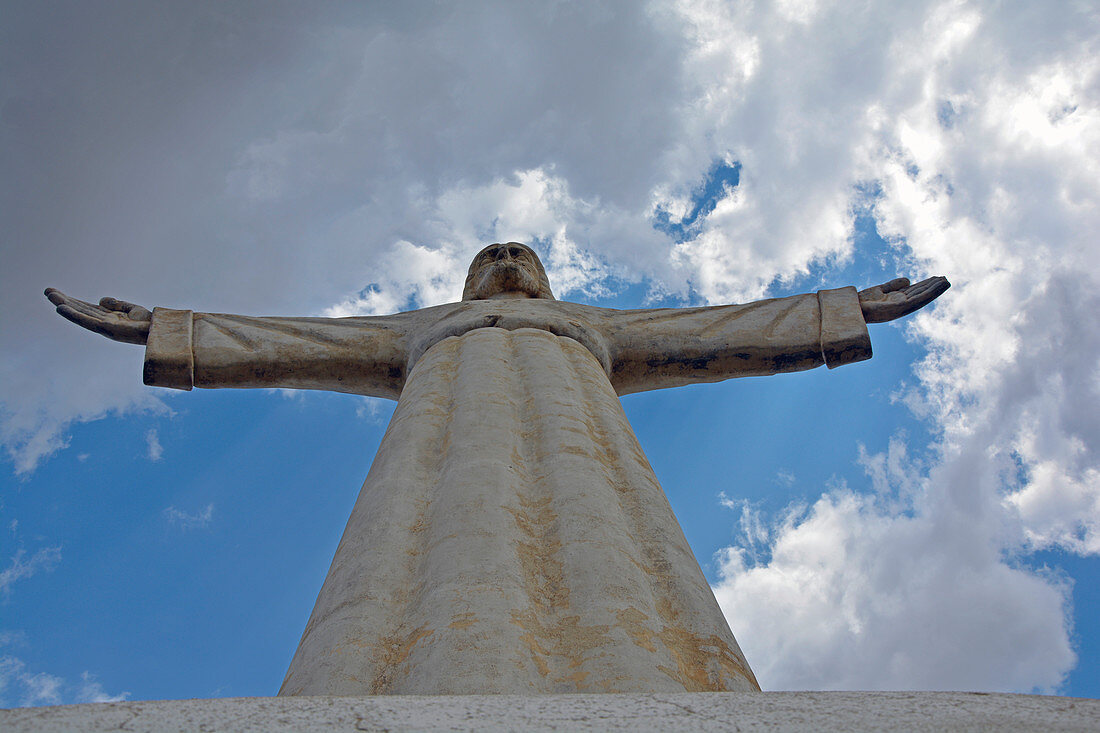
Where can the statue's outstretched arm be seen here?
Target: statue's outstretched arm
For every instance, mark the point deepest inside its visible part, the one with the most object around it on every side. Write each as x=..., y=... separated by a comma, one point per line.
x=898, y=298
x=115, y=319
x=184, y=349
x=669, y=347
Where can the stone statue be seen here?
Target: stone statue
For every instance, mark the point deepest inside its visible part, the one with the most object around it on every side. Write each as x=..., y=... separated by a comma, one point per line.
x=511, y=536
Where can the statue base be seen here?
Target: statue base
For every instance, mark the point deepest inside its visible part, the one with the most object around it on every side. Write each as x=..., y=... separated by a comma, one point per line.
x=743, y=711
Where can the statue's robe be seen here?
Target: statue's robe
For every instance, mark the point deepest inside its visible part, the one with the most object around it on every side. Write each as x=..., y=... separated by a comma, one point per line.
x=511, y=536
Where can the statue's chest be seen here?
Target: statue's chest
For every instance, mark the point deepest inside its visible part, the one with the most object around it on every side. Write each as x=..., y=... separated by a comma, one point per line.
x=546, y=316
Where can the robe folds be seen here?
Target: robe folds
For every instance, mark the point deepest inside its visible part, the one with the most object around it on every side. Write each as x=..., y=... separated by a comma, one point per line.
x=511, y=536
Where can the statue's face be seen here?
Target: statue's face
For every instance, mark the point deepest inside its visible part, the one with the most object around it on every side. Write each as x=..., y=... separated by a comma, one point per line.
x=505, y=270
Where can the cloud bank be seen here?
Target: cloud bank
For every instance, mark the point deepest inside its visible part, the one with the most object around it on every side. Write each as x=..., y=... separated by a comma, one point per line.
x=981, y=143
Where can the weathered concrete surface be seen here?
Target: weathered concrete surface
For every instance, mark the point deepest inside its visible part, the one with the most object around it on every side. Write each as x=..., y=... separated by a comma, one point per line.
x=771, y=711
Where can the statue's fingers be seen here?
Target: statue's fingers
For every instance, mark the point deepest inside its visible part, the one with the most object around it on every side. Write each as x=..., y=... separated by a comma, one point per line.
x=917, y=292
x=88, y=309
x=939, y=283
x=896, y=284
x=928, y=290
x=132, y=311
x=59, y=298
x=82, y=319
x=937, y=286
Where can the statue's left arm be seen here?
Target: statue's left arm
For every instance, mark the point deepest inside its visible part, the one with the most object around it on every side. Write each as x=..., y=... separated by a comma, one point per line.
x=670, y=347
x=185, y=349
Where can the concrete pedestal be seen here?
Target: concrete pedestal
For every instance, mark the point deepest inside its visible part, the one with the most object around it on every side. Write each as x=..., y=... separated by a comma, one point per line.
x=771, y=711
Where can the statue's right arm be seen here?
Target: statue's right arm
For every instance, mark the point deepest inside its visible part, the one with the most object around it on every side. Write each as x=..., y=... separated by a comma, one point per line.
x=184, y=349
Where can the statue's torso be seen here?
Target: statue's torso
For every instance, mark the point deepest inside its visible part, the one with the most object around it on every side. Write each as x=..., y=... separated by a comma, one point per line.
x=511, y=538
x=571, y=320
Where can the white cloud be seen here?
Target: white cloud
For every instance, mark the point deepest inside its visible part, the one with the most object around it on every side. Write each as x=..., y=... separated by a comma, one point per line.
x=980, y=125
x=407, y=271
x=190, y=520
x=373, y=408
x=90, y=690
x=20, y=568
x=153, y=447
x=1011, y=377
x=533, y=206
x=13, y=638
x=31, y=688
x=19, y=687
x=42, y=396
x=900, y=589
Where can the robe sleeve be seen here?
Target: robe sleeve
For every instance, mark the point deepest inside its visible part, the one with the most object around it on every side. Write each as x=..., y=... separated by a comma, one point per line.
x=363, y=355
x=670, y=347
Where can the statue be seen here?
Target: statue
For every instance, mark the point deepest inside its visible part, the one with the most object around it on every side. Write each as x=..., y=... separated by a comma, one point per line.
x=511, y=536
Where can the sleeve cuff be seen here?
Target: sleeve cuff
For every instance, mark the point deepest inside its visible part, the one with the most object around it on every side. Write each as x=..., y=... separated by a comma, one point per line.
x=844, y=337
x=169, y=357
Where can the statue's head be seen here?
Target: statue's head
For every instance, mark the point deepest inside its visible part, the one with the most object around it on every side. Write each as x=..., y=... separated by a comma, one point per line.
x=510, y=270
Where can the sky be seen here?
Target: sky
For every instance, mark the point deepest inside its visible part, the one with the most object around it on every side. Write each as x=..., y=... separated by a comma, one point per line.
x=925, y=520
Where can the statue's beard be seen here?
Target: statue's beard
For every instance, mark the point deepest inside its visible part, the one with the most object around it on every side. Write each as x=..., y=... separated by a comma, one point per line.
x=506, y=277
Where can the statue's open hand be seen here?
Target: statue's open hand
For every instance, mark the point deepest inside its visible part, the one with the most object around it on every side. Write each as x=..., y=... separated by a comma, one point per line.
x=898, y=298
x=115, y=319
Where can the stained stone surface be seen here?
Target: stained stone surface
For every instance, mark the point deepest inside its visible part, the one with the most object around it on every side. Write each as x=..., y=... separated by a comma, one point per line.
x=528, y=545
x=725, y=711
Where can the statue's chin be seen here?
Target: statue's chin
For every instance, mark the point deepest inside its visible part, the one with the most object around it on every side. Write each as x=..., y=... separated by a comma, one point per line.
x=506, y=278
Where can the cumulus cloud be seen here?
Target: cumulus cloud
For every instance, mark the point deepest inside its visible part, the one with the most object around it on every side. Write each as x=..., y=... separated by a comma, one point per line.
x=190, y=520
x=897, y=589
x=981, y=145
x=1012, y=375
x=42, y=397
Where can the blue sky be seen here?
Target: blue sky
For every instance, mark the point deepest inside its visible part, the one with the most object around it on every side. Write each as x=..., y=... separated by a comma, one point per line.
x=929, y=519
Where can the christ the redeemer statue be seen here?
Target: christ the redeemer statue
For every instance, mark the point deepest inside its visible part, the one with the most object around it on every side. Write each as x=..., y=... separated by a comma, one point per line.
x=511, y=536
